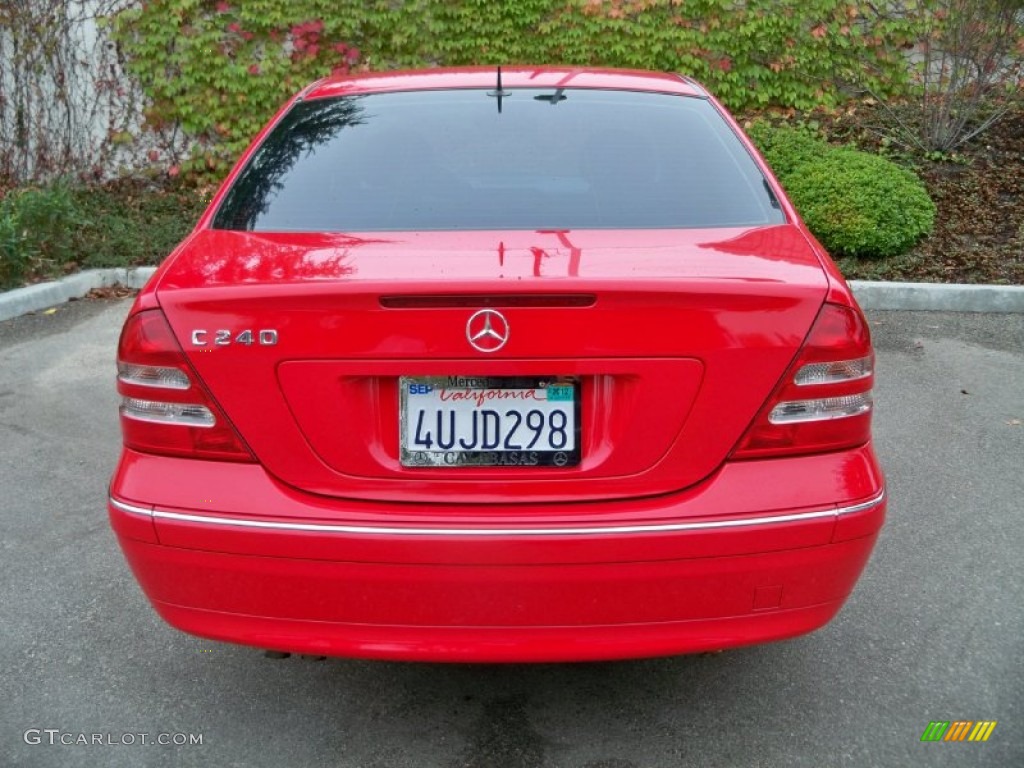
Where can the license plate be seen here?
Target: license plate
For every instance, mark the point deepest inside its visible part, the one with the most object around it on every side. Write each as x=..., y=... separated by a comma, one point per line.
x=489, y=421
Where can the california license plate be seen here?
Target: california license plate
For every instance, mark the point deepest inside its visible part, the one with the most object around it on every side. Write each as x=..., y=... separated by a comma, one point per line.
x=489, y=421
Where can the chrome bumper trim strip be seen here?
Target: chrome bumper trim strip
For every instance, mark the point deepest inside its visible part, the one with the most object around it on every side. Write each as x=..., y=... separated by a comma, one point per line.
x=131, y=508
x=395, y=530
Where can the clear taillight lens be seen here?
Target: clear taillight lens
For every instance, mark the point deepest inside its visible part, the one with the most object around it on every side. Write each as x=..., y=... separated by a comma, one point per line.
x=157, y=376
x=164, y=408
x=824, y=402
x=167, y=413
x=796, y=411
x=834, y=373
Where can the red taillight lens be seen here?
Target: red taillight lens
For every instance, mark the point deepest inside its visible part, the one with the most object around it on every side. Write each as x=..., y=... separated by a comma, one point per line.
x=824, y=401
x=164, y=409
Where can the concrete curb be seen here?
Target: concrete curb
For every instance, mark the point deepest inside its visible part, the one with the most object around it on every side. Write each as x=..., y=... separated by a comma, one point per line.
x=43, y=295
x=928, y=297
x=939, y=297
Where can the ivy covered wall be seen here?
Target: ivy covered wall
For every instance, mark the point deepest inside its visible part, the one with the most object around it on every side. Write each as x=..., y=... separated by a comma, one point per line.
x=217, y=70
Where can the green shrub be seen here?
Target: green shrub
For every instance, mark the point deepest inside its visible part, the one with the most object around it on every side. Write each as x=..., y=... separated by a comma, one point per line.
x=786, y=148
x=859, y=204
x=50, y=231
x=37, y=232
x=129, y=223
x=12, y=257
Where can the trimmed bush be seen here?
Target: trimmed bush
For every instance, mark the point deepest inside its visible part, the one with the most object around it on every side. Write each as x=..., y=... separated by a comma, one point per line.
x=859, y=204
x=12, y=262
x=786, y=148
x=131, y=222
x=37, y=230
x=50, y=231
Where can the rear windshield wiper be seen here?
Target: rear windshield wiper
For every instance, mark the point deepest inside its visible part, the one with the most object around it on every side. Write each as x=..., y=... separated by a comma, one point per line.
x=553, y=98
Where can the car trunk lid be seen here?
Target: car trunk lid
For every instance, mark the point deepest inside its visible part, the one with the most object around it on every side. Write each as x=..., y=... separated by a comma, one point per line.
x=675, y=338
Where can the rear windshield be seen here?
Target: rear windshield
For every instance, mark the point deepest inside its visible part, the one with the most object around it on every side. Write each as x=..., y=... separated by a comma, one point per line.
x=457, y=160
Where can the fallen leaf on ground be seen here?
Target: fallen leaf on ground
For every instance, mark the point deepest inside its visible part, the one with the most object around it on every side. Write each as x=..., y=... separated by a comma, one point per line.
x=116, y=291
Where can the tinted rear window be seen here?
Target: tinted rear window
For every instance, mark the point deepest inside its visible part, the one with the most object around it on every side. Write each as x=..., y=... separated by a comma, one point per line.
x=449, y=160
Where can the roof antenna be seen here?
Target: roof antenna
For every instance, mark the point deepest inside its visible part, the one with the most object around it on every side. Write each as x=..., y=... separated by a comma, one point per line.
x=499, y=92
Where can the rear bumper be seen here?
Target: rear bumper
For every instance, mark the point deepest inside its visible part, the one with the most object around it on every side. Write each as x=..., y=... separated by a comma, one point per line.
x=661, y=576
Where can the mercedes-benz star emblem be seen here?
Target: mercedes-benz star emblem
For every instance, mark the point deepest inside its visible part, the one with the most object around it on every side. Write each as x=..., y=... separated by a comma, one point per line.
x=487, y=330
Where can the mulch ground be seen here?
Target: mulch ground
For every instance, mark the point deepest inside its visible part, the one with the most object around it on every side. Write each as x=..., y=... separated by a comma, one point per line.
x=979, y=193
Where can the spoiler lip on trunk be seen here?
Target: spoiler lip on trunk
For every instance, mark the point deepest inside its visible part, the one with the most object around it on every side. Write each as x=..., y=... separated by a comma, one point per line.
x=514, y=261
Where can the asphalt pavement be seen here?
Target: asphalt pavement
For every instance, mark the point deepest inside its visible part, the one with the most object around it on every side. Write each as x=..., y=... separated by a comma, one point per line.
x=934, y=630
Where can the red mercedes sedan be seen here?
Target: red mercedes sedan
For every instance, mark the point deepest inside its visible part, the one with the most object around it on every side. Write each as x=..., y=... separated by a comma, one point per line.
x=470, y=365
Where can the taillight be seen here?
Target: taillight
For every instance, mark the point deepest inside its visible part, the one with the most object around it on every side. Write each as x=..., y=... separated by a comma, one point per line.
x=824, y=401
x=164, y=408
